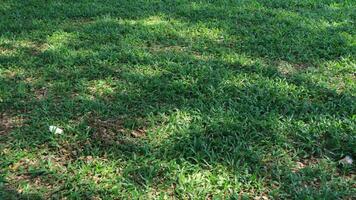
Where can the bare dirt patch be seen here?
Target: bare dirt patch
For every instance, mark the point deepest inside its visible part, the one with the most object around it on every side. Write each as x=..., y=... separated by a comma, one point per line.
x=8, y=123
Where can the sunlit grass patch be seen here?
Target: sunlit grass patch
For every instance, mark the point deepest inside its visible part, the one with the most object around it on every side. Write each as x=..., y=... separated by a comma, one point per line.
x=177, y=100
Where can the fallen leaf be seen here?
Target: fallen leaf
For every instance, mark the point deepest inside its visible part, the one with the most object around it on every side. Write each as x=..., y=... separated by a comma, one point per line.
x=138, y=133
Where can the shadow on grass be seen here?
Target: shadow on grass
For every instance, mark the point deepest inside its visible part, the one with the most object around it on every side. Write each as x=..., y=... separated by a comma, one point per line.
x=202, y=84
x=13, y=195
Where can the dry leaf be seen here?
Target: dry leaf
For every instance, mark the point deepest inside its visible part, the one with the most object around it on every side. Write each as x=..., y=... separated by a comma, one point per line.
x=138, y=133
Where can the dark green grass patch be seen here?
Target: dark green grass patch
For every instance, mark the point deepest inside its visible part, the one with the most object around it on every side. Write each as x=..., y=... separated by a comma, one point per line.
x=177, y=99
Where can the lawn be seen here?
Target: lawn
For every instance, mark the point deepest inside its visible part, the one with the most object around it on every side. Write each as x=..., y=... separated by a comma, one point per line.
x=240, y=99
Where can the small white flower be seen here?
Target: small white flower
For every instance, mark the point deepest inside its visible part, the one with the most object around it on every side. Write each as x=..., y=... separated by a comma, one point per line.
x=55, y=130
x=347, y=160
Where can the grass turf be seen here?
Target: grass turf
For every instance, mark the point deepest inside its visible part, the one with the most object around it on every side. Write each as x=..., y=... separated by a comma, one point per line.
x=177, y=99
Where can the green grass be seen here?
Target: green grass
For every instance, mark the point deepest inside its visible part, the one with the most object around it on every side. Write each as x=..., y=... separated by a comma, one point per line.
x=177, y=99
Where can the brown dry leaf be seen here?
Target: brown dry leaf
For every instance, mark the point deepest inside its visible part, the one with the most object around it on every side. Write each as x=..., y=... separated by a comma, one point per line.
x=138, y=133
x=89, y=158
x=263, y=197
x=304, y=163
x=298, y=166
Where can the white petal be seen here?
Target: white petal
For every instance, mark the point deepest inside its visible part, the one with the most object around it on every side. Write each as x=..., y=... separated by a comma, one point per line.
x=55, y=130
x=347, y=160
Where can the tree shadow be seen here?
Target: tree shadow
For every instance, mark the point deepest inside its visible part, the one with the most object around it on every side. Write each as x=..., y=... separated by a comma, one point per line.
x=12, y=194
x=217, y=120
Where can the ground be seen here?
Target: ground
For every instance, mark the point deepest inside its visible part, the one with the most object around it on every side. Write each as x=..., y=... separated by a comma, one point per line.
x=177, y=99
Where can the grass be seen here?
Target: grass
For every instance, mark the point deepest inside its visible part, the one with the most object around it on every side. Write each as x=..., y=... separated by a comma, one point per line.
x=177, y=99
